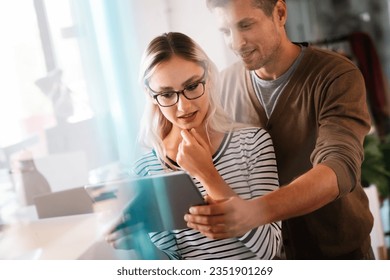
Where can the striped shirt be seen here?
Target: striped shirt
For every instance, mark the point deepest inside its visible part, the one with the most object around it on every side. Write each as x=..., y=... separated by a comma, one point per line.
x=246, y=161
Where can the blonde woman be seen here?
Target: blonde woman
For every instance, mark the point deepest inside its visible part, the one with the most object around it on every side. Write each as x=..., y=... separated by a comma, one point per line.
x=186, y=129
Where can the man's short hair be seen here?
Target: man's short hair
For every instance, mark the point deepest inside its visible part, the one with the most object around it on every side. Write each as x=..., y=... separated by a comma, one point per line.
x=266, y=5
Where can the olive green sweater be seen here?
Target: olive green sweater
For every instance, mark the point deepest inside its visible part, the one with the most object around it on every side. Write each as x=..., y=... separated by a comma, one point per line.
x=320, y=117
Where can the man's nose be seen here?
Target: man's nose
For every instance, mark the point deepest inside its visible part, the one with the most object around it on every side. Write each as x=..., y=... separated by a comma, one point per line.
x=237, y=41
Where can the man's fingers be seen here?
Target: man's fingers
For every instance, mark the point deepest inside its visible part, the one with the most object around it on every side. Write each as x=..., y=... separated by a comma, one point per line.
x=208, y=199
x=213, y=232
x=210, y=209
x=204, y=220
x=220, y=228
x=216, y=235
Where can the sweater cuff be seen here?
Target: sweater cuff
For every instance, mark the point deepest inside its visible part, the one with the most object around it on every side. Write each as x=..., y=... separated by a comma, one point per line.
x=344, y=180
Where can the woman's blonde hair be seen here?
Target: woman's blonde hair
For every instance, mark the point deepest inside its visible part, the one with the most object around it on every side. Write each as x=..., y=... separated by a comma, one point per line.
x=155, y=127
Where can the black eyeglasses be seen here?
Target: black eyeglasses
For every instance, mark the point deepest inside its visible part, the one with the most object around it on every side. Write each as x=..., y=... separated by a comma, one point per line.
x=171, y=97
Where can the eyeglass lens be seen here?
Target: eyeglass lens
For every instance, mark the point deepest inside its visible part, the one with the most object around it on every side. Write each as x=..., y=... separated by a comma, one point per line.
x=170, y=98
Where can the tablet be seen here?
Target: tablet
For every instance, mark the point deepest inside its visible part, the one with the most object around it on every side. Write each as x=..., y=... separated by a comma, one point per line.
x=159, y=202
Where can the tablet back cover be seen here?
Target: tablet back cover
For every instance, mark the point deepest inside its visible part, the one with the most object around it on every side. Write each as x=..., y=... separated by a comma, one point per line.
x=160, y=202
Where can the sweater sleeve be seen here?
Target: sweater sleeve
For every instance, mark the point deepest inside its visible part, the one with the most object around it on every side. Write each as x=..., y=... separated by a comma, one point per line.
x=343, y=123
x=264, y=241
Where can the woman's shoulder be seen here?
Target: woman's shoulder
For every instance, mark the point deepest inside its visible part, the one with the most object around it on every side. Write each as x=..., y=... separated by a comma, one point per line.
x=147, y=164
x=250, y=132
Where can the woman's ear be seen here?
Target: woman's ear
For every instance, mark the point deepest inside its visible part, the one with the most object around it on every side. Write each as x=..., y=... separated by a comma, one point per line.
x=154, y=101
x=150, y=95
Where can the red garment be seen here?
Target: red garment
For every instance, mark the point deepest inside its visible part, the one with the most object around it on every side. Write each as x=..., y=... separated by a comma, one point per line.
x=370, y=66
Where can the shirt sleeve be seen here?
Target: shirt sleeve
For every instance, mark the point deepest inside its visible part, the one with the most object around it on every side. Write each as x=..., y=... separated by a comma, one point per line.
x=264, y=241
x=166, y=242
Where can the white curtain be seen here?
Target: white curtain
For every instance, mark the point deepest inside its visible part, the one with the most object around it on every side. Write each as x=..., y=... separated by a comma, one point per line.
x=111, y=56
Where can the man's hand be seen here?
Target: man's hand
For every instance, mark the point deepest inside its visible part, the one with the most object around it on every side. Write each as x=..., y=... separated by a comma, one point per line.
x=218, y=220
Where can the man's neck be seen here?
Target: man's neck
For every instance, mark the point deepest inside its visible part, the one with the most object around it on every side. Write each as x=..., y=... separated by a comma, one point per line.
x=281, y=64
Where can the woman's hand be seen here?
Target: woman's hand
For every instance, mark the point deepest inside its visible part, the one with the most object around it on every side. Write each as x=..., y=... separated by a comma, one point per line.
x=122, y=235
x=127, y=236
x=195, y=157
x=230, y=218
x=194, y=153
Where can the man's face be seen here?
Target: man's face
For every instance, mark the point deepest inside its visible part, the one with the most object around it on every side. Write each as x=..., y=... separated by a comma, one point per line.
x=249, y=32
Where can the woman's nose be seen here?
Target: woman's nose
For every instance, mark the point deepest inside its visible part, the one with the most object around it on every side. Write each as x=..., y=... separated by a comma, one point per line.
x=183, y=103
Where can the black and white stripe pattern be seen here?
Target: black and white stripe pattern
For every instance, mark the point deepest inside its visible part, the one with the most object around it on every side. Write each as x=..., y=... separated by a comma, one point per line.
x=246, y=161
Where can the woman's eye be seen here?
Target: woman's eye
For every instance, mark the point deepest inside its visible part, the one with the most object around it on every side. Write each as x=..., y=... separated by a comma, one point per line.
x=167, y=95
x=192, y=87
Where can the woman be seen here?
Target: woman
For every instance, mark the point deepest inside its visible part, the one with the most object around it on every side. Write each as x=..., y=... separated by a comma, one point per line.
x=187, y=130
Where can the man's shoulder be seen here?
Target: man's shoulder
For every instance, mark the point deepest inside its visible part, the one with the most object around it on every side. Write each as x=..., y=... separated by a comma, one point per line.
x=233, y=69
x=321, y=55
x=327, y=63
x=233, y=77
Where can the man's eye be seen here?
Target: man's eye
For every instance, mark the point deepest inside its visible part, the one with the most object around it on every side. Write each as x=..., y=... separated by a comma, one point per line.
x=167, y=95
x=245, y=25
x=192, y=87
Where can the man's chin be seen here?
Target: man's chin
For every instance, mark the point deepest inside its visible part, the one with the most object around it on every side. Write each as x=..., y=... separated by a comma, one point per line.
x=250, y=66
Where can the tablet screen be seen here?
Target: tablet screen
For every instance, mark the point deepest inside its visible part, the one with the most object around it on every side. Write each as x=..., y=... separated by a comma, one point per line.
x=159, y=202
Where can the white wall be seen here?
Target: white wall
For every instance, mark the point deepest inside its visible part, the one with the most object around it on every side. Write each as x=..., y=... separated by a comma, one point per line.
x=187, y=16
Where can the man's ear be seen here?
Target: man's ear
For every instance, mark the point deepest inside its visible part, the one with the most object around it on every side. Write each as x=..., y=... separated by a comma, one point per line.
x=281, y=12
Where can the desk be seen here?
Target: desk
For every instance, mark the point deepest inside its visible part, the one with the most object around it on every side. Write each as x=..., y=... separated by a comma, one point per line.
x=61, y=238
x=24, y=236
x=55, y=238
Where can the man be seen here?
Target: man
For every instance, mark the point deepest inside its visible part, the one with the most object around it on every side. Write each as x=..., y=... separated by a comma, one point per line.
x=313, y=104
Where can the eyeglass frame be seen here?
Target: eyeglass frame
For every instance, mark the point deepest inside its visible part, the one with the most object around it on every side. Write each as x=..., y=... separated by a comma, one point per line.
x=178, y=92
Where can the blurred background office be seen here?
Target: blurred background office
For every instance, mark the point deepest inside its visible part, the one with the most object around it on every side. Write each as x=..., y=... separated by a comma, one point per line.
x=71, y=101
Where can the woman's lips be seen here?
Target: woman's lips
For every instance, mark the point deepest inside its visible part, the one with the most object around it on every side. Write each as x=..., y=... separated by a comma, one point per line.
x=188, y=117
